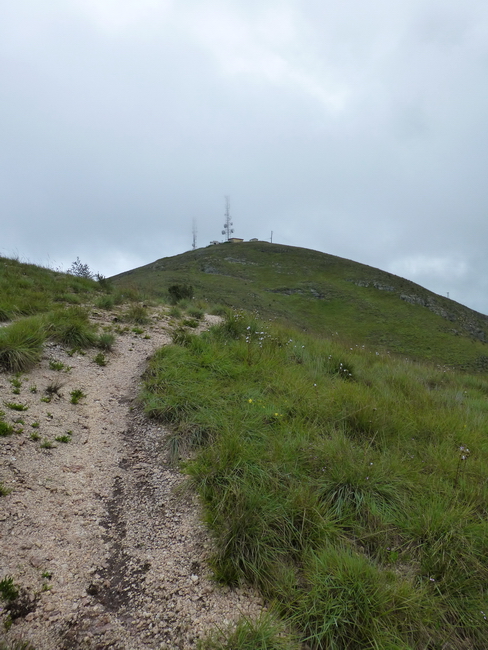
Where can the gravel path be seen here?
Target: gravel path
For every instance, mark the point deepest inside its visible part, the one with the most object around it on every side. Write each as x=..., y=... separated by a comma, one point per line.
x=106, y=554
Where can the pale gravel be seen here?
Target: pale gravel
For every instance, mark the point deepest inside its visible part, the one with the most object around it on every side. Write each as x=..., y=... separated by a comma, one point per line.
x=127, y=554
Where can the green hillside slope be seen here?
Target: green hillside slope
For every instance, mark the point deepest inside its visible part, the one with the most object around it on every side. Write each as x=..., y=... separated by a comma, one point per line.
x=325, y=294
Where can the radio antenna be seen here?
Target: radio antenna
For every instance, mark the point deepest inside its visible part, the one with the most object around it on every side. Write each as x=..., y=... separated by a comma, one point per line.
x=228, y=230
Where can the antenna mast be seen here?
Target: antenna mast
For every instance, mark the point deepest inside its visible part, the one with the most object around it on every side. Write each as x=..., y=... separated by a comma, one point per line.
x=228, y=230
x=194, y=245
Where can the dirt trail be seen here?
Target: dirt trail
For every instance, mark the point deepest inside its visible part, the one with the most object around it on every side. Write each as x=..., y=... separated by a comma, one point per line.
x=107, y=555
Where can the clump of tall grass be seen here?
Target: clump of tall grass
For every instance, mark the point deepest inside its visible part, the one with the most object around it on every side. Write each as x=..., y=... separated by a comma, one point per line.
x=265, y=633
x=195, y=312
x=21, y=344
x=72, y=327
x=6, y=429
x=349, y=500
x=106, y=341
x=136, y=313
x=105, y=302
x=352, y=603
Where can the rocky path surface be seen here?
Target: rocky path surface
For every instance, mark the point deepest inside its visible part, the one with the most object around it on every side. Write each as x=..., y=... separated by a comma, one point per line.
x=107, y=554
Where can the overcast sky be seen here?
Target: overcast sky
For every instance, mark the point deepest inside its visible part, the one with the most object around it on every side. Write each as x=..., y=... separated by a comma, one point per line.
x=354, y=127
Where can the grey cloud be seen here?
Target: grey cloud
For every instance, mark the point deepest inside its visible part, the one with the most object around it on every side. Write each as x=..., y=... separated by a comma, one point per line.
x=355, y=129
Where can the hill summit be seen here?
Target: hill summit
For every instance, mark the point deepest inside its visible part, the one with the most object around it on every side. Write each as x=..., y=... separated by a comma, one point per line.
x=325, y=294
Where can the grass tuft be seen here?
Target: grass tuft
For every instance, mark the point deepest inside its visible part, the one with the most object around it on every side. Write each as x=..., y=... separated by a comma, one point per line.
x=265, y=633
x=76, y=396
x=106, y=341
x=71, y=327
x=21, y=344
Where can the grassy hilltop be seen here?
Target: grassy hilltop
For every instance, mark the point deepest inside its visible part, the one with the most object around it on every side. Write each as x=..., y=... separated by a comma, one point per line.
x=325, y=295
x=343, y=475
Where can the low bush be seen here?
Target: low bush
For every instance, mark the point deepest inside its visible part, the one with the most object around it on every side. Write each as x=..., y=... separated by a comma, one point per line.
x=178, y=292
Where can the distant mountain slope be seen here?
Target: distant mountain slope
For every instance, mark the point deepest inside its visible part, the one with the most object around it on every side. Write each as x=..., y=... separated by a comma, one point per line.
x=325, y=294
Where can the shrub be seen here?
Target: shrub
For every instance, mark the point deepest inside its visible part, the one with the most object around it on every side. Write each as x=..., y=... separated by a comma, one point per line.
x=179, y=292
x=104, y=282
x=80, y=270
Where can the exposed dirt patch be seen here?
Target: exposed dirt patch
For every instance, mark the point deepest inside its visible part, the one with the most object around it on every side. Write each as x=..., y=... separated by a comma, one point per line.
x=106, y=553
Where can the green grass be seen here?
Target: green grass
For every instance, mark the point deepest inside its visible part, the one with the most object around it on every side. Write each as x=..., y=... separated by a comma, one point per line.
x=266, y=633
x=4, y=490
x=58, y=365
x=71, y=327
x=15, y=406
x=28, y=289
x=136, y=314
x=21, y=344
x=324, y=295
x=105, y=302
x=335, y=480
x=100, y=359
x=64, y=438
x=45, y=304
x=8, y=590
x=76, y=396
x=195, y=313
x=6, y=429
x=106, y=341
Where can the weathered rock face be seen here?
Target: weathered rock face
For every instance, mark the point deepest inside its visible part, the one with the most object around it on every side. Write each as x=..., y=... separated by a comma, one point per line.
x=377, y=285
x=468, y=321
